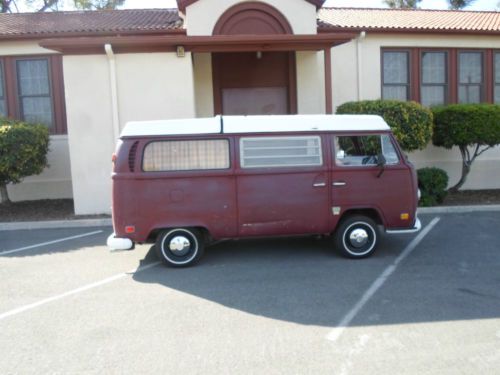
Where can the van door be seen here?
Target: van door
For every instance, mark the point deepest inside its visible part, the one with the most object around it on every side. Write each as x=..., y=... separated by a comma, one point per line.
x=282, y=185
x=358, y=181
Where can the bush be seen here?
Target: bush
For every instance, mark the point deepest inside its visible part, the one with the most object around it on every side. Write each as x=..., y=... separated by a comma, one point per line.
x=23, y=152
x=410, y=122
x=432, y=183
x=473, y=128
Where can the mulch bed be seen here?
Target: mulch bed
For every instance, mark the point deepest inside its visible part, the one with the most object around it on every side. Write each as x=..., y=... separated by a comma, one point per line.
x=472, y=197
x=62, y=209
x=44, y=209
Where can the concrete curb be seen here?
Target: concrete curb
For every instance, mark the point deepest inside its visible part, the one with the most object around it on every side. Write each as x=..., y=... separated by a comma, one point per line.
x=458, y=209
x=53, y=224
x=85, y=223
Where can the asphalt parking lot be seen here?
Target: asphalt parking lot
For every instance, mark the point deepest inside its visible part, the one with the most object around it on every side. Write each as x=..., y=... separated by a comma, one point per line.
x=423, y=304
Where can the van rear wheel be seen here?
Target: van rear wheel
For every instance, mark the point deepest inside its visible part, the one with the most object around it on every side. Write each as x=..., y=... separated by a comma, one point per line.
x=356, y=237
x=179, y=247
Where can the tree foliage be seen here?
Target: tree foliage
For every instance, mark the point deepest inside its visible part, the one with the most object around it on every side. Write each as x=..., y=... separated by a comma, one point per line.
x=406, y=4
x=410, y=122
x=23, y=152
x=413, y=4
x=12, y=6
x=473, y=128
x=459, y=4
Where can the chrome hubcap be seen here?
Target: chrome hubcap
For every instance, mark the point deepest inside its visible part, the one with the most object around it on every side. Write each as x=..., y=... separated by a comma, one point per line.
x=179, y=245
x=358, y=237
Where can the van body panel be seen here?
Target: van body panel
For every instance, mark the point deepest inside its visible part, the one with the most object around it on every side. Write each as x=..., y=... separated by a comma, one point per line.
x=283, y=203
x=388, y=194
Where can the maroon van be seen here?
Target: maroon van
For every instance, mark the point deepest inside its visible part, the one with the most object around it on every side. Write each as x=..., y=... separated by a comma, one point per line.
x=183, y=184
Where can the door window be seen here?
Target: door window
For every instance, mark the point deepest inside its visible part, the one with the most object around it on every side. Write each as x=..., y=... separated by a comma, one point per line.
x=364, y=150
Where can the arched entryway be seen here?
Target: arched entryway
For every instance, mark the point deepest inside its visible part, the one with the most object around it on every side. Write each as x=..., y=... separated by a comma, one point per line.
x=257, y=82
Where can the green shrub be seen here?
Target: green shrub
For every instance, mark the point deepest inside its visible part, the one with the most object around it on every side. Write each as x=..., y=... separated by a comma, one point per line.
x=432, y=183
x=23, y=152
x=473, y=128
x=410, y=122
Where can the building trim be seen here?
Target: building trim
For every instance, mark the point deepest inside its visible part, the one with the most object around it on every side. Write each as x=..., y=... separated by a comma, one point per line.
x=250, y=13
x=183, y=4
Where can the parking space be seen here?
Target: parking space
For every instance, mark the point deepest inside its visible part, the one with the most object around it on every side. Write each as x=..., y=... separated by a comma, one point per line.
x=255, y=306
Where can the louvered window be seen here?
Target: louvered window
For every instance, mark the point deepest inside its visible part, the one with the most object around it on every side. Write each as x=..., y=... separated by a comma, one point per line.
x=280, y=152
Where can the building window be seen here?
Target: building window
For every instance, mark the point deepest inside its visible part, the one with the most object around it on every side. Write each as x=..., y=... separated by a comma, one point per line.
x=470, y=77
x=396, y=75
x=3, y=108
x=497, y=78
x=35, y=100
x=31, y=89
x=265, y=152
x=434, y=78
x=186, y=155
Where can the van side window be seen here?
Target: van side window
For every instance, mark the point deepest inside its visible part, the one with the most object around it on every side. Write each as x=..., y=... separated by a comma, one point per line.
x=295, y=151
x=161, y=156
x=363, y=150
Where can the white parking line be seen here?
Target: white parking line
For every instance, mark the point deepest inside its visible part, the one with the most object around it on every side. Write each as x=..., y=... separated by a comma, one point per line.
x=347, y=319
x=49, y=242
x=75, y=291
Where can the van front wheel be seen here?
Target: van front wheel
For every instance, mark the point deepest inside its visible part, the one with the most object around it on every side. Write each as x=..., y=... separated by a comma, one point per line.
x=357, y=237
x=180, y=247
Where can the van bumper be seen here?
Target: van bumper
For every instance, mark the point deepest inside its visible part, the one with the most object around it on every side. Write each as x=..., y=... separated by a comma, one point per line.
x=115, y=243
x=416, y=228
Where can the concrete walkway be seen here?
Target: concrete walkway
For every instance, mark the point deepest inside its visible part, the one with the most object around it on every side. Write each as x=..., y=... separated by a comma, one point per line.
x=79, y=223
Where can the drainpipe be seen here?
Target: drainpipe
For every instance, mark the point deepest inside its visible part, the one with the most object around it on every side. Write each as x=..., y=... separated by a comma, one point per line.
x=114, y=91
x=359, y=58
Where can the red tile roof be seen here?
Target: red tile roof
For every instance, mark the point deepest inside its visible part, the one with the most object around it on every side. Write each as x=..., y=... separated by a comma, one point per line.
x=152, y=21
x=408, y=20
x=89, y=23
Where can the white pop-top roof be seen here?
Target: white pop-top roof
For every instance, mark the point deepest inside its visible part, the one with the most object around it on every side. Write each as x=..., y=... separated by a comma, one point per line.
x=255, y=124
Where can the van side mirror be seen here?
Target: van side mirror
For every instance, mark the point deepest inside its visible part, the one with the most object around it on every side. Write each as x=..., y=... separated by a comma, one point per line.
x=381, y=162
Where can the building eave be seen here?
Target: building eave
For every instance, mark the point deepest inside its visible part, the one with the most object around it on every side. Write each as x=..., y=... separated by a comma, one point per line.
x=217, y=43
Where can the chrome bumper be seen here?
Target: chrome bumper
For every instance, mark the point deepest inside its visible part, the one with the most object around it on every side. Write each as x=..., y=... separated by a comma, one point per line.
x=115, y=243
x=416, y=228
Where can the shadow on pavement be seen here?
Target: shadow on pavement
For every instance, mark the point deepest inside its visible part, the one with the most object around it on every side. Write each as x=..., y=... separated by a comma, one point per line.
x=302, y=280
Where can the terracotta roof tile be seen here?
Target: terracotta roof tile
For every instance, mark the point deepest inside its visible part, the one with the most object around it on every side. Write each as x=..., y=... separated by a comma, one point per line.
x=408, y=19
x=89, y=22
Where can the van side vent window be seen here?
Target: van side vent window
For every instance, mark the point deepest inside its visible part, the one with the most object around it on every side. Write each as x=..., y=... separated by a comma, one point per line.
x=131, y=156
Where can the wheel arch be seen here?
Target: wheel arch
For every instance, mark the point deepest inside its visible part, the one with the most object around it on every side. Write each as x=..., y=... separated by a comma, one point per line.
x=153, y=235
x=371, y=212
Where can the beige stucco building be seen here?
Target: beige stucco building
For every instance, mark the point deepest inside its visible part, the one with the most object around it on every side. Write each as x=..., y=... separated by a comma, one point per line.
x=86, y=74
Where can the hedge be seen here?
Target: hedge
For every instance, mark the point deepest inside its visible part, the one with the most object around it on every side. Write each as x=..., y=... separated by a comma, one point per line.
x=432, y=183
x=410, y=122
x=23, y=151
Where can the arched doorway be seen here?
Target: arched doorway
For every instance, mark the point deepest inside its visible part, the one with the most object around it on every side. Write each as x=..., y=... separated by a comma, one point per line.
x=257, y=82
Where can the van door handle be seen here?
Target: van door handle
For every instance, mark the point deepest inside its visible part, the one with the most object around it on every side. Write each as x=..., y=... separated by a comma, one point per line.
x=339, y=183
x=319, y=184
